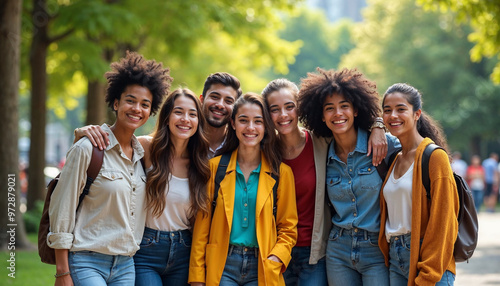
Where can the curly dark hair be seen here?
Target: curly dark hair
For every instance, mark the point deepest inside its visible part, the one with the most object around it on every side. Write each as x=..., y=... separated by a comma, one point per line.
x=350, y=83
x=135, y=69
x=162, y=151
x=426, y=126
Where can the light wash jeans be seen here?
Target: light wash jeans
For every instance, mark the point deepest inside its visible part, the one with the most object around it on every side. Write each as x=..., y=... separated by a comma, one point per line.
x=399, y=262
x=242, y=266
x=354, y=258
x=90, y=268
x=300, y=273
x=163, y=258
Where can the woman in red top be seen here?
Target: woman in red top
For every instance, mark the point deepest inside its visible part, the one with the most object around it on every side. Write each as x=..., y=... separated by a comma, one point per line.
x=476, y=179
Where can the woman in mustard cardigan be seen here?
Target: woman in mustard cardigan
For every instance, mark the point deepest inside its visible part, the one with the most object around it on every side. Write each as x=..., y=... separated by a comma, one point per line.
x=417, y=235
x=244, y=243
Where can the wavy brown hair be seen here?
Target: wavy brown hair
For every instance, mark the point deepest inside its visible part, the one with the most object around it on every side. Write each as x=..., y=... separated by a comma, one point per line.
x=269, y=144
x=351, y=84
x=162, y=150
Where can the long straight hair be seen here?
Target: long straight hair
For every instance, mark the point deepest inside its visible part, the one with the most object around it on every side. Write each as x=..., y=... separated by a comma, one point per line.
x=162, y=150
x=269, y=145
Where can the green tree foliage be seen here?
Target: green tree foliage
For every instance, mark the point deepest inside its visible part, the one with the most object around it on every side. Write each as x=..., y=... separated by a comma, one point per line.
x=484, y=17
x=403, y=43
x=323, y=43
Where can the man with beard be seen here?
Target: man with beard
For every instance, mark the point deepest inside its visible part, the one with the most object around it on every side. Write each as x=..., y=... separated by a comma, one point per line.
x=219, y=94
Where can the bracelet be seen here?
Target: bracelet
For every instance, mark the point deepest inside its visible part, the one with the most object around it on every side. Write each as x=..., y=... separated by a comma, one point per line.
x=57, y=275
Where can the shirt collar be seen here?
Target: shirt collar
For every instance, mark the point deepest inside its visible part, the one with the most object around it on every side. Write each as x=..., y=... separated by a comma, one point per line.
x=361, y=144
x=113, y=142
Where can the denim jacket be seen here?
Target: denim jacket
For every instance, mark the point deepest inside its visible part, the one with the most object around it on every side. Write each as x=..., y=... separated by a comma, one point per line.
x=353, y=188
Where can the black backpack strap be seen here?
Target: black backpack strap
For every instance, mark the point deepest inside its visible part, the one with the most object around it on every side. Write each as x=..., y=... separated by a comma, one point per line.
x=92, y=171
x=219, y=176
x=425, y=167
x=383, y=167
x=275, y=193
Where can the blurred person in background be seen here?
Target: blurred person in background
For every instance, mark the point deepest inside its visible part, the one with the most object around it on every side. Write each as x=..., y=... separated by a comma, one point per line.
x=490, y=166
x=476, y=179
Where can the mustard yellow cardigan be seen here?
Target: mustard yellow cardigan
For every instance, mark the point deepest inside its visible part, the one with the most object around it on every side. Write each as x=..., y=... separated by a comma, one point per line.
x=434, y=222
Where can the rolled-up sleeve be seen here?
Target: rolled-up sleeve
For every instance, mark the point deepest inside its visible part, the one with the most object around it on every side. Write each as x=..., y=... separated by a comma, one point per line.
x=64, y=199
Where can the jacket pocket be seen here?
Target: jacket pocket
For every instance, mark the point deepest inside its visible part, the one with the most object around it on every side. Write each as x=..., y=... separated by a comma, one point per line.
x=272, y=272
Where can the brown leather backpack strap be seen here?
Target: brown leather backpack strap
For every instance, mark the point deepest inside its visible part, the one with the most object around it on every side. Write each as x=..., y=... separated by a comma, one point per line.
x=92, y=172
x=95, y=163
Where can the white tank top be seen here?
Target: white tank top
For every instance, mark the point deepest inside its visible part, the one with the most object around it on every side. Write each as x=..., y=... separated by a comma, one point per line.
x=397, y=195
x=177, y=207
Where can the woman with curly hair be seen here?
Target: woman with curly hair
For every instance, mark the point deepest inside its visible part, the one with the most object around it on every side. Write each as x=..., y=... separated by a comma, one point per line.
x=243, y=241
x=305, y=153
x=417, y=233
x=344, y=104
x=94, y=243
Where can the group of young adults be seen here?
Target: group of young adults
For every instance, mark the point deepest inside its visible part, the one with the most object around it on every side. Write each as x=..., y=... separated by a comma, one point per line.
x=278, y=204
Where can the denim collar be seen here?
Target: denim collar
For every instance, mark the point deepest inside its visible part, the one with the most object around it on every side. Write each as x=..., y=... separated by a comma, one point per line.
x=361, y=145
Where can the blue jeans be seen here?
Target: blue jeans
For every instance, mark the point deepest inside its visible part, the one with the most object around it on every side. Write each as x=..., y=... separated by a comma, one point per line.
x=300, y=272
x=478, y=198
x=242, y=266
x=354, y=258
x=163, y=258
x=96, y=269
x=399, y=262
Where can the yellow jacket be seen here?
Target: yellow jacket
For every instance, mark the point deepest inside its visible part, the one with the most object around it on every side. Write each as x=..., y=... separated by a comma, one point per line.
x=211, y=235
x=433, y=223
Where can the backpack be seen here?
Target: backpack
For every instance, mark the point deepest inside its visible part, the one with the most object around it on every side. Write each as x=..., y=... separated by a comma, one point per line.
x=47, y=254
x=467, y=216
x=221, y=173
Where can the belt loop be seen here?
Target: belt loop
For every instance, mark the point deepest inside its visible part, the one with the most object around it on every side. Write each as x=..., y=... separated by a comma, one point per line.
x=157, y=235
x=230, y=250
x=256, y=250
x=366, y=235
x=341, y=231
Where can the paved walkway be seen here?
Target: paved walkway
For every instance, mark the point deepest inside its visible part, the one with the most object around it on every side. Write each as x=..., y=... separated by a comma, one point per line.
x=484, y=266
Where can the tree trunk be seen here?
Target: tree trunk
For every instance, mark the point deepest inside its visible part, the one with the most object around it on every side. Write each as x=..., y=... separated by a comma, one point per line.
x=12, y=231
x=38, y=54
x=96, y=107
x=475, y=147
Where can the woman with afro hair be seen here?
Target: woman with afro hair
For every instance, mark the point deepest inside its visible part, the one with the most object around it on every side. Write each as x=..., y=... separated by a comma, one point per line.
x=344, y=104
x=94, y=241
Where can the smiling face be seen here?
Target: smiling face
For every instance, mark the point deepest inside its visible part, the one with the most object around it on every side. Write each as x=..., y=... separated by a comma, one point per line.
x=399, y=116
x=218, y=104
x=183, y=120
x=249, y=125
x=339, y=114
x=134, y=107
x=283, y=110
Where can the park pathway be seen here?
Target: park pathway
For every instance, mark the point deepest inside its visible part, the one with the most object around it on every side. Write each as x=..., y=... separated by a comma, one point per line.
x=484, y=266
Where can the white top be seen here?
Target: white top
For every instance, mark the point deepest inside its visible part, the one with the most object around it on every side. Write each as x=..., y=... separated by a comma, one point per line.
x=112, y=216
x=177, y=207
x=397, y=194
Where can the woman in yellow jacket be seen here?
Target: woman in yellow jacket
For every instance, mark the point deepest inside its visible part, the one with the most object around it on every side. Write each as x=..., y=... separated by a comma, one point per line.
x=417, y=235
x=244, y=243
